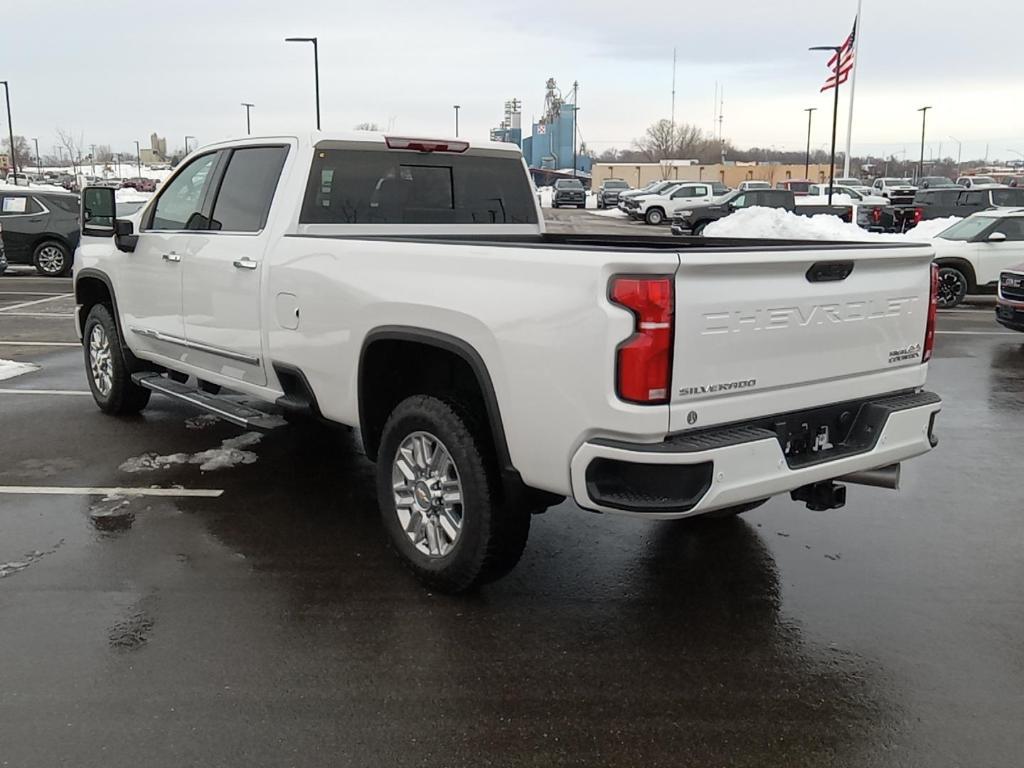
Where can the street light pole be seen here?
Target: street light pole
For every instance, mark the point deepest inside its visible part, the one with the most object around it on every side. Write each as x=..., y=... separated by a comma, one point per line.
x=248, y=125
x=316, y=69
x=575, y=98
x=10, y=127
x=457, y=107
x=39, y=165
x=138, y=159
x=92, y=156
x=920, y=165
x=837, y=49
x=807, y=156
x=186, y=145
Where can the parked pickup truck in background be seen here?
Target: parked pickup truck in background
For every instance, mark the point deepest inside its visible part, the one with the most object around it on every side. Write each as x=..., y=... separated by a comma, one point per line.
x=608, y=193
x=407, y=287
x=691, y=219
x=1010, y=299
x=941, y=203
x=653, y=208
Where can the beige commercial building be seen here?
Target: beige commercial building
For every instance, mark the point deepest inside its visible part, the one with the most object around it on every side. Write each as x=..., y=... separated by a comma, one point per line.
x=730, y=174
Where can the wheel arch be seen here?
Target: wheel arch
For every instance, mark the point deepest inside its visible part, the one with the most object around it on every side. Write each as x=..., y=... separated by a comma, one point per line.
x=94, y=287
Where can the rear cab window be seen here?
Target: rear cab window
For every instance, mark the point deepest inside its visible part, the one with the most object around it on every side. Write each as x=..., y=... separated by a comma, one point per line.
x=374, y=185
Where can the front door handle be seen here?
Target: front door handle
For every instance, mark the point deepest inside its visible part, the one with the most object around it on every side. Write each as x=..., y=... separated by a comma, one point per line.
x=172, y=257
x=245, y=263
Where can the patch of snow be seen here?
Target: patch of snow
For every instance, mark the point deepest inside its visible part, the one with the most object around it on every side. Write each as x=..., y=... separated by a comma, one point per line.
x=230, y=454
x=202, y=421
x=612, y=213
x=776, y=223
x=11, y=368
x=129, y=195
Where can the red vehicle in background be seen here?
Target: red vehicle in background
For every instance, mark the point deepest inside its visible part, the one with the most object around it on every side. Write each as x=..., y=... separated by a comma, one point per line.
x=139, y=184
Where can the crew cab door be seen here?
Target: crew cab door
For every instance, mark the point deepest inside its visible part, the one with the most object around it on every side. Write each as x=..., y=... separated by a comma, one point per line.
x=222, y=275
x=993, y=256
x=149, y=278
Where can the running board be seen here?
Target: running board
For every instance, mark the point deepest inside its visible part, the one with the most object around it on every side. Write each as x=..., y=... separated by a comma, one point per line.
x=220, y=406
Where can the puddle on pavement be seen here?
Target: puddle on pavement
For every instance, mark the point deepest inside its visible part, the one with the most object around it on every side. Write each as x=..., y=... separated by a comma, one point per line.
x=111, y=514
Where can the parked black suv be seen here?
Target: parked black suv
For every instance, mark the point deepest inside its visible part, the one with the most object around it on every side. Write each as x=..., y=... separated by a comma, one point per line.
x=569, y=192
x=609, y=191
x=40, y=228
x=942, y=202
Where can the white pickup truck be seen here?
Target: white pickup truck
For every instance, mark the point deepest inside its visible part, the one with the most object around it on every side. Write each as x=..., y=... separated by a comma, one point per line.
x=406, y=287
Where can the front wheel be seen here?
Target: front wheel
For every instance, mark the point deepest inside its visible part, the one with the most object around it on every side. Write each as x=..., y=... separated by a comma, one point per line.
x=439, y=497
x=655, y=216
x=110, y=379
x=52, y=259
x=952, y=287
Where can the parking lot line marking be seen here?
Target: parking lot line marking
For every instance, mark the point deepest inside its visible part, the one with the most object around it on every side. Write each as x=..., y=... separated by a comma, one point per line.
x=29, y=293
x=38, y=314
x=10, y=391
x=66, y=490
x=36, y=301
x=40, y=344
x=978, y=333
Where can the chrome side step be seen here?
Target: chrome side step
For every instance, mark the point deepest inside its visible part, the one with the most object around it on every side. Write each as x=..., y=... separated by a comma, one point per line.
x=223, y=407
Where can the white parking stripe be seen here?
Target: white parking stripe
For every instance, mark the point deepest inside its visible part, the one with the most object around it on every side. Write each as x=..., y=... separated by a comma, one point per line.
x=65, y=490
x=45, y=392
x=37, y=314
x=27, y=343
x=36, y=301
x=979, y=333
x=29, y=293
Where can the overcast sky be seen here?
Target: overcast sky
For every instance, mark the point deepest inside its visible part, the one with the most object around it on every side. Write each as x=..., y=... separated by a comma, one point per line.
x=114, y=71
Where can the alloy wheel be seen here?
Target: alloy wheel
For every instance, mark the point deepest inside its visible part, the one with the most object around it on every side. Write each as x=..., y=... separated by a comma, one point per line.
x=428, y=494
x=100, y=360
x=51, y=259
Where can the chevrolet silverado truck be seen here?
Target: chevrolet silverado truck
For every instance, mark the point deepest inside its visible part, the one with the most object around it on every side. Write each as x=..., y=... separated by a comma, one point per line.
x=406, y=287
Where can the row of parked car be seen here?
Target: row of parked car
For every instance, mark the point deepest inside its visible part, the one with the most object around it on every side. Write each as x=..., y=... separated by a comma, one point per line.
x=73, y=183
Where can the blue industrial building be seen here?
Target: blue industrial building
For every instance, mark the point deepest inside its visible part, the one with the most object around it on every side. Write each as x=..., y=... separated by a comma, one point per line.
x=549, y=145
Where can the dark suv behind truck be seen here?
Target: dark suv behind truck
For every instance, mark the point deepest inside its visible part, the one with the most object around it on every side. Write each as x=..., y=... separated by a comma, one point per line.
x=569, y=192
x=691, y=220
x=609, y=191
x=40, y=228
x=943, y=202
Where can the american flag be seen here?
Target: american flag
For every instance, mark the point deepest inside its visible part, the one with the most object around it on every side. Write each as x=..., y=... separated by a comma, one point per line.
x=845, y=61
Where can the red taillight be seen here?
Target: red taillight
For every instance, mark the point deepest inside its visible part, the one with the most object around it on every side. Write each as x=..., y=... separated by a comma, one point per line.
x=918, y=215
x=933, y=306
x=426, y=145
x=644, y=360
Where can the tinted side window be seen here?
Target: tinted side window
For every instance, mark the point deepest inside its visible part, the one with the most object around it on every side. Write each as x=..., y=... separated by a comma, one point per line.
x=1008, y=197
x=247, y=189
x=400, y=187
x=972, y=198
x=180, y=203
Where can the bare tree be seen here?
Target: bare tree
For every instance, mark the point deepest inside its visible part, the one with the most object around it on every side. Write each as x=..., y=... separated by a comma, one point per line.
x=71, y=145
x=103, y=153
x=22, y=153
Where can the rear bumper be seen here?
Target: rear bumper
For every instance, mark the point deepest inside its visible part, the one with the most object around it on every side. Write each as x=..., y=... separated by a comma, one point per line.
x=699, y=472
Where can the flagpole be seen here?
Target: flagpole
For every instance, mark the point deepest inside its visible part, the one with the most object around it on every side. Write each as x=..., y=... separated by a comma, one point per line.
x=853, y=87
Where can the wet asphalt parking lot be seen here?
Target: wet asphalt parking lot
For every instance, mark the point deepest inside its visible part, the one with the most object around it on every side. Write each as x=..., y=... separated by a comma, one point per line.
x=266, y=623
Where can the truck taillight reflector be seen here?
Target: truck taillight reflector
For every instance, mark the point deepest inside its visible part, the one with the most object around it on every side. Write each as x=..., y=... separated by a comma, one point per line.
x=933, y=306
x=644, y=361
x=918, y=215
x=426, y=145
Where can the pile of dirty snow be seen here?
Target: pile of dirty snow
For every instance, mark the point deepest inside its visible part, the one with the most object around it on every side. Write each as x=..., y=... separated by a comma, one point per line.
x=776, y=223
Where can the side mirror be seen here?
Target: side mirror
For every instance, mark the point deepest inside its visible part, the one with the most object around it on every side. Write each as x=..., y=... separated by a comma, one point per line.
x=997, y=237
x=98, y=212
x=124, y=237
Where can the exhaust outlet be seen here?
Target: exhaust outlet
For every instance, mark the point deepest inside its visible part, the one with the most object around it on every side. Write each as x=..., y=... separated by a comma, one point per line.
x=883, y=477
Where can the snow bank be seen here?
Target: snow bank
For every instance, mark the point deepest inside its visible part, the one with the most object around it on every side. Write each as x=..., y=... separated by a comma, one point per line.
x=11, y=368
x=612, y=213
x=776, y=223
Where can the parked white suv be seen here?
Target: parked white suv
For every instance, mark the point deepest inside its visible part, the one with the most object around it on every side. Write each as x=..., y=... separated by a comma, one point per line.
x=973, y=252
x=406, y=287
x=655, y=209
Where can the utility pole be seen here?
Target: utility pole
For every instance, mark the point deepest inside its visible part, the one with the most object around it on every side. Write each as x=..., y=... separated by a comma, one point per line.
x=920, y=164
x=92, y=156
x=138, y=159
x=673, y=93
x=39, y=165
x=807, y=156
x=316, y=69
x=457, y=108
x=10, y=128
x=575, y=97
x=248, y=125
x=186, y=145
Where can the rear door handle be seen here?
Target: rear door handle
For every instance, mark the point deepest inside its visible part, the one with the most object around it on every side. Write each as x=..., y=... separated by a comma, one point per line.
x=245, y=263
x=172, y=257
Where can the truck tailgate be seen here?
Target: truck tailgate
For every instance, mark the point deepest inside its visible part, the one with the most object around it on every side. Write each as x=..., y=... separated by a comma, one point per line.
x=768, y=331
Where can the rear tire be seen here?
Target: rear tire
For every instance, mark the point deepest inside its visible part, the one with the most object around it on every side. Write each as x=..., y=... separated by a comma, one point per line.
x=52, y=258
x=110, y=379
x=953, y=286
x=443, y=511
